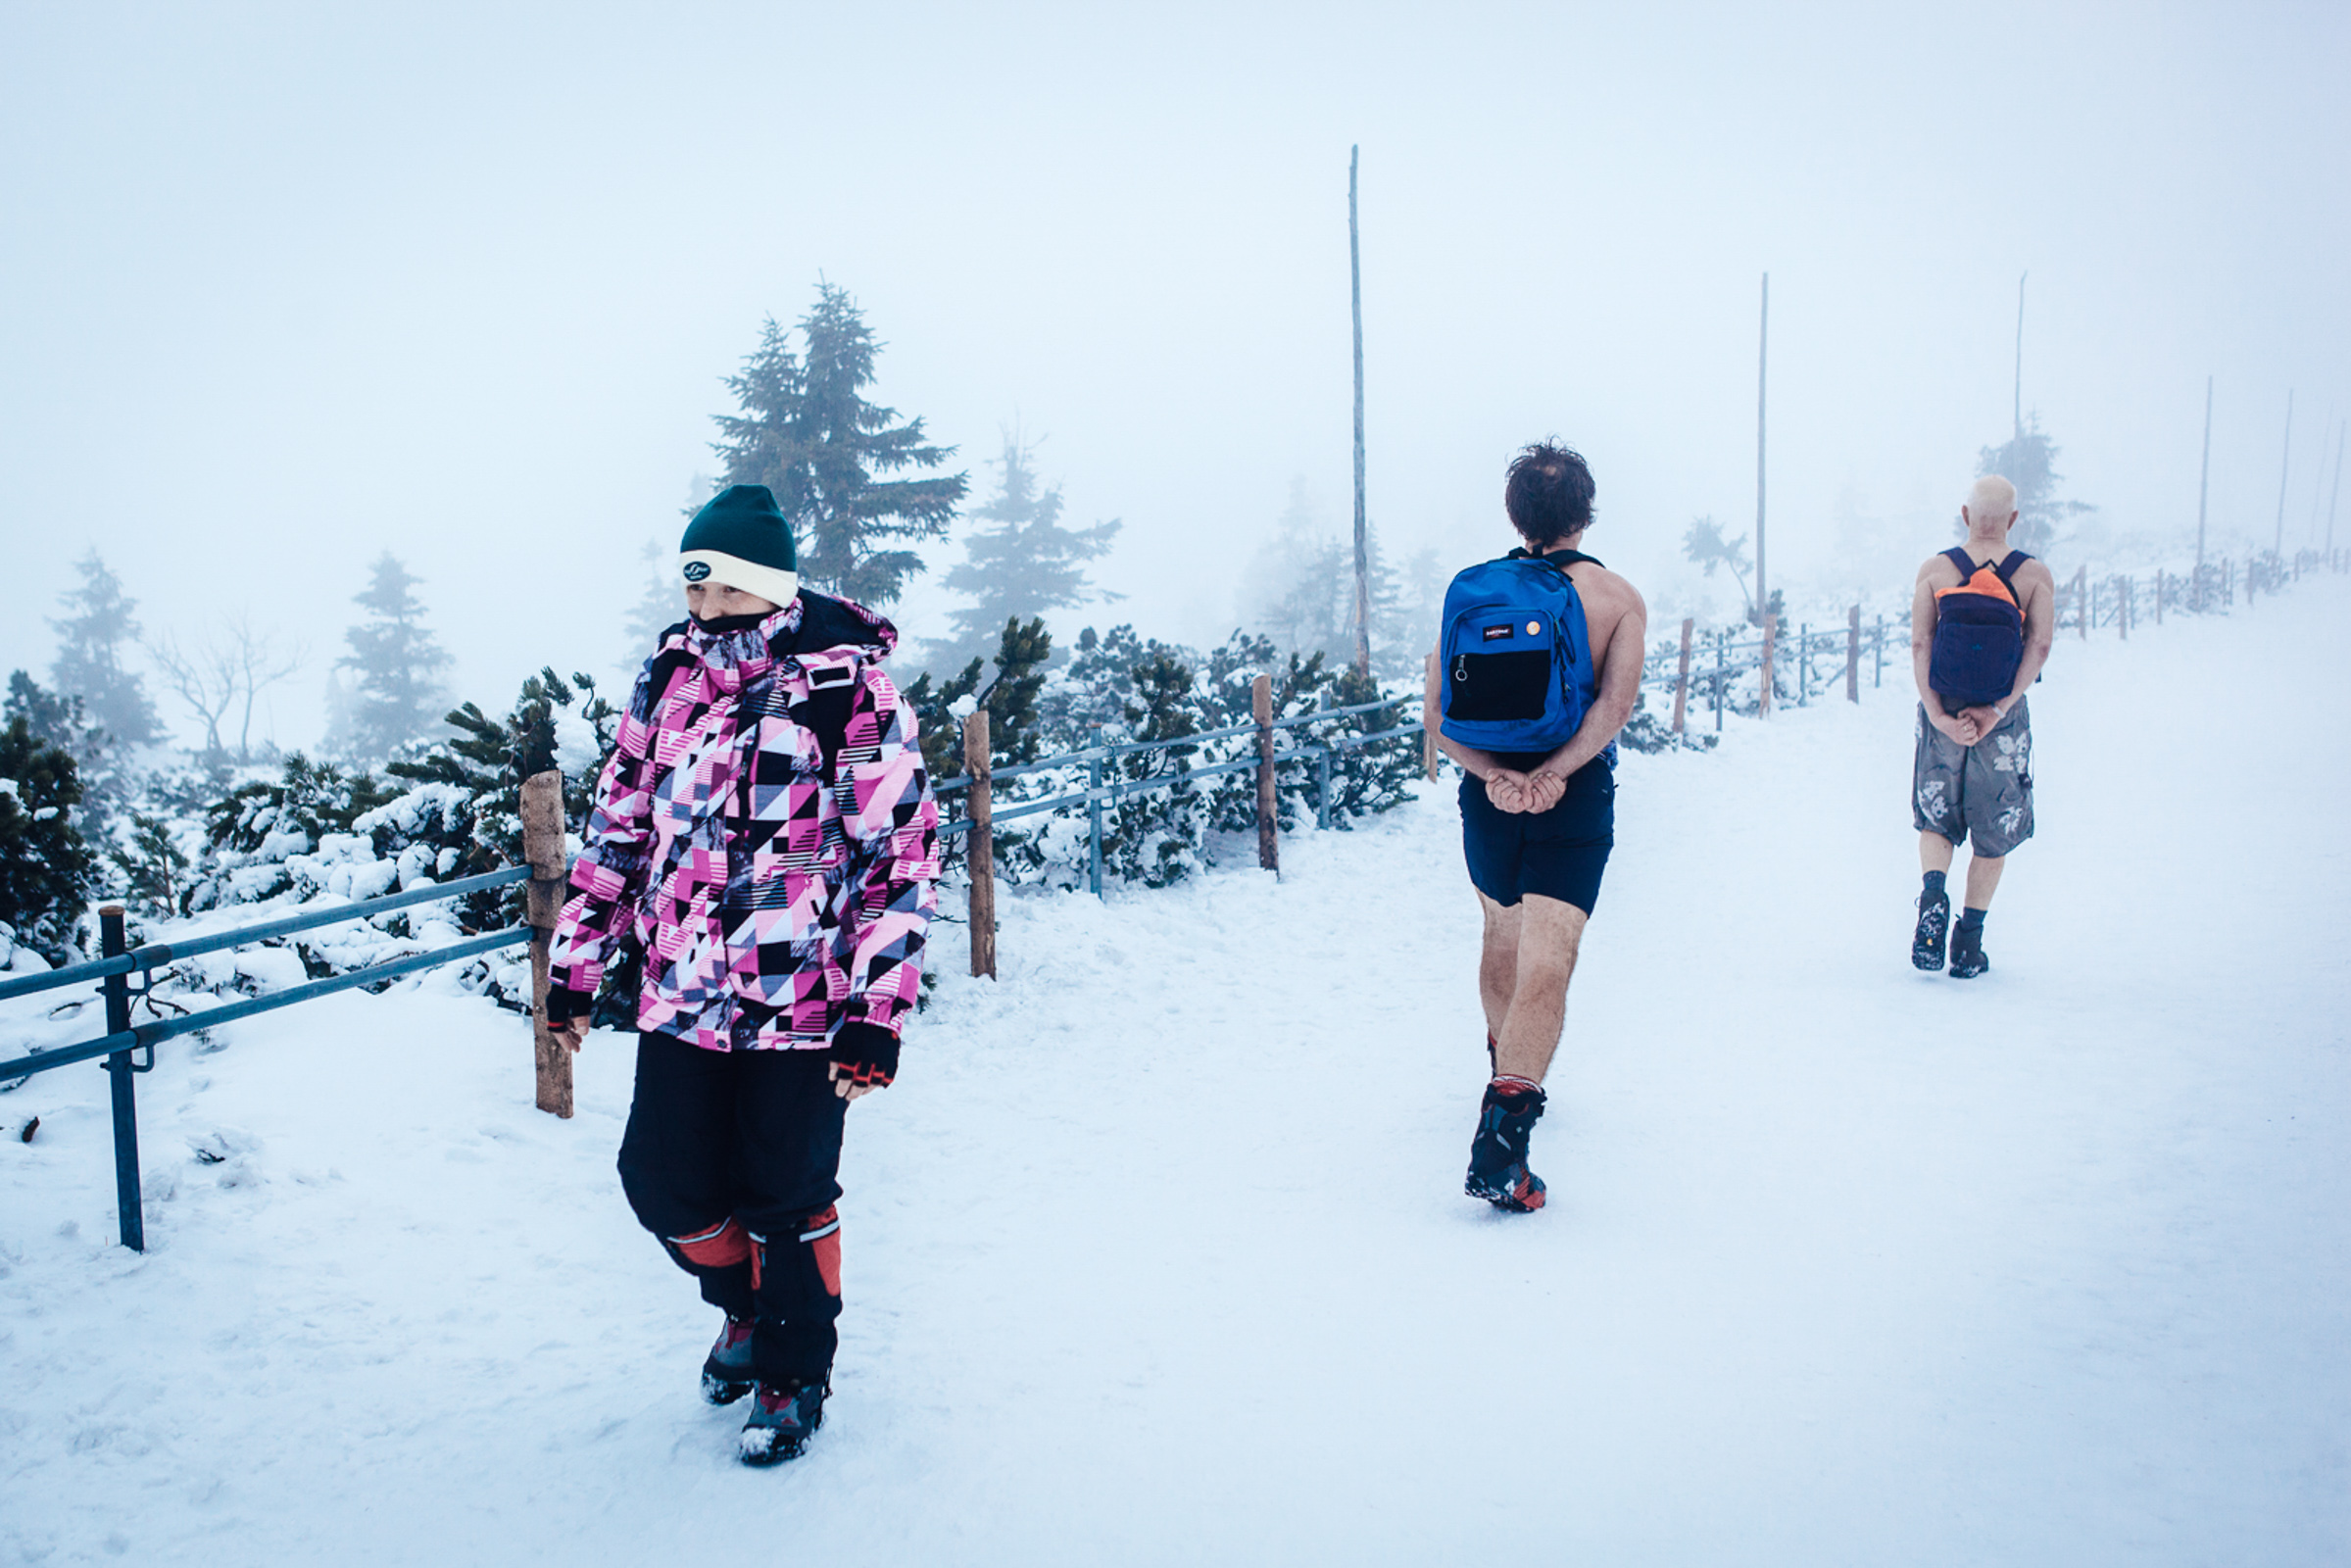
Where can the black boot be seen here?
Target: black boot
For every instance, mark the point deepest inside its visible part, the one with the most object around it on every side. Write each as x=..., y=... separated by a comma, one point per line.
x=1968, y=958
x=1934, y=922
x=728, y=1373
x=1497, y=1155
x=782, y=1420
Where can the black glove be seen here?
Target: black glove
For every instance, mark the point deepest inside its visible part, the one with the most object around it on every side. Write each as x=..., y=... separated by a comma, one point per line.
x=564, y=1005
x=866, y=1053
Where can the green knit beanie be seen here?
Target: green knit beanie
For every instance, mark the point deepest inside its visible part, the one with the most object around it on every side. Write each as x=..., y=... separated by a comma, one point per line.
x=740, y=539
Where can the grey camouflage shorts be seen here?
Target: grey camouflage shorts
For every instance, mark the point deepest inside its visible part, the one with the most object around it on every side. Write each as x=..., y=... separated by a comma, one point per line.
x=1984, y=789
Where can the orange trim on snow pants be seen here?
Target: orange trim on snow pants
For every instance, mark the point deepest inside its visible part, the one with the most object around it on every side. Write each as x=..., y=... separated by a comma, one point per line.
x=721, y=1244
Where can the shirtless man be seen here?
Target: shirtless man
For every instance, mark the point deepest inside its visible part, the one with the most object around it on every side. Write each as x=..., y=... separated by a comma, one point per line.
x=1979, y=637
x=1537, y=826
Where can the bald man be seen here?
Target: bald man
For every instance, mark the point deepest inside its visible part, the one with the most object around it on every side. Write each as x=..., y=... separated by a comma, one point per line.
x=1983, y=620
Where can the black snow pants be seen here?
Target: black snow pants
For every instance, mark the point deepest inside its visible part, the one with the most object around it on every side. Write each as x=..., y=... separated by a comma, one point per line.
x=731, y=1160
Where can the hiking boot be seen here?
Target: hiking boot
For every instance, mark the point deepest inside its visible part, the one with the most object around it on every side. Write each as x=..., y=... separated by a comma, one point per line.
x=1934, y=923
x=726, y=1373
x=1968, y=958
x=782, y=1420
x=1497, y=1155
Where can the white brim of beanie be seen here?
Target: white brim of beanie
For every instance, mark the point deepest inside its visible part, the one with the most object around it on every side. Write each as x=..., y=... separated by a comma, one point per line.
x=772, y=583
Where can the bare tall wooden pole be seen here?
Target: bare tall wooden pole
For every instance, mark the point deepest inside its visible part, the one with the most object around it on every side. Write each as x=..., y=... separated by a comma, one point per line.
x=2203, y=488
x=1771, y=630
x=1763, y=350
x=2335, y=494
x=979, y=843
x=1681, y=680
x=1269, y=845
x=1853, y=655
x=542, y=812
x=2020, y=355
x=2284, y=465
x=1354, y=269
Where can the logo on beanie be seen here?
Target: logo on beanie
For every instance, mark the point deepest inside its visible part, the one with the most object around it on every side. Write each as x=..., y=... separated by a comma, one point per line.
x=696, y=571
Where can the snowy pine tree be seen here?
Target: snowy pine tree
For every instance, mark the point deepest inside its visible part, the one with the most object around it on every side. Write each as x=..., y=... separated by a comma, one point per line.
x=807, y=432
x=62, y=721
x=1301, y=593
x=99, y=623
x=2028, y=459
x=46, y=869
x=1024, y=566
x=659, y=605
x=395, y=665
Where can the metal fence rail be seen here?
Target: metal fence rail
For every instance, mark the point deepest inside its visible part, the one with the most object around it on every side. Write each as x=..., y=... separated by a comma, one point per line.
x=122, y=1038
x=1099, y=792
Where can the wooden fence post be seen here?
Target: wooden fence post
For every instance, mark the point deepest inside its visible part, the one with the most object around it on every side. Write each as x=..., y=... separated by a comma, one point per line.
x=1428, y=722
x=2082, y=598
x=1853, y=655
x=2122, y=609
x=979, y=843
x=1771, y=628
x=1269, y=848
x=2159, y=596
x=1681, y=680
x=542, y=812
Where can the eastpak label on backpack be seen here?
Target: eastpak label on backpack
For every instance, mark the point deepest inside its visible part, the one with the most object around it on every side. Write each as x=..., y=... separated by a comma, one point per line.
x=1978, y=632
x=1516, y=655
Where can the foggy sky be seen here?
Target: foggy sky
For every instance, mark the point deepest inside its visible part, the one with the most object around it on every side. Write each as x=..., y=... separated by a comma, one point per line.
x=282, y=287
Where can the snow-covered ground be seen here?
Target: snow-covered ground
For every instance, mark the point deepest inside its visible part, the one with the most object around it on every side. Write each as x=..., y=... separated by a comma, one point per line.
x=1158, y=1251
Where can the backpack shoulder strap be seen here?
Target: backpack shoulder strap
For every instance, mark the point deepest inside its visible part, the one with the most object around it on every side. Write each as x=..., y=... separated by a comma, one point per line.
x=1562, y=560
x=2007, y=568
x=1958, y=557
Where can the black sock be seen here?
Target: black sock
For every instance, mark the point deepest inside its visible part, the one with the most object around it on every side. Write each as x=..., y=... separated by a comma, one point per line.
x=1934, y=883
x=1973, y=920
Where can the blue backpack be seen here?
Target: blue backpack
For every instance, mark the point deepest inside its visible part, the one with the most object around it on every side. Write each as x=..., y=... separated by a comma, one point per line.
x=1516, y=655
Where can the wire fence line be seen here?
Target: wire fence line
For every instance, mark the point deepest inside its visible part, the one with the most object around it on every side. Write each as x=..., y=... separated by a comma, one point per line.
x=1723, y=670
x=119, y=1046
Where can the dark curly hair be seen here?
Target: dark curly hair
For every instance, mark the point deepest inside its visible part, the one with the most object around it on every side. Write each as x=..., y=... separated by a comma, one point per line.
x=1549, y=494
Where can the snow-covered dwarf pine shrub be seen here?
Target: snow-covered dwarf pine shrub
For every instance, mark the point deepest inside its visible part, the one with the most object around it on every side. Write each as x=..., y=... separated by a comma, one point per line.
x=46, y=870
x=1122, y=689
x=317, y=830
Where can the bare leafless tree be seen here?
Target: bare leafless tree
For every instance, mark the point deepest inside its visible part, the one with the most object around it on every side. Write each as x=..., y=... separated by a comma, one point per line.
x=229, y=670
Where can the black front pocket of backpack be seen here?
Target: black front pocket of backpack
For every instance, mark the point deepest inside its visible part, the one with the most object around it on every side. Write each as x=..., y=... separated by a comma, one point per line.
x=1500, y=686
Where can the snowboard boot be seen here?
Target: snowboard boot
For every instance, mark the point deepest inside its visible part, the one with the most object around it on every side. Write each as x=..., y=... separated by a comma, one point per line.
x=1934, y=923
x=726, y=1373
x=1968, y=958
x=1497, y=1155
x=782, y=1420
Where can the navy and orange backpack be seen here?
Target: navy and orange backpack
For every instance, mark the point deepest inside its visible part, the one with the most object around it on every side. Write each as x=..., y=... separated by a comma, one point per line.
x=1978, y=632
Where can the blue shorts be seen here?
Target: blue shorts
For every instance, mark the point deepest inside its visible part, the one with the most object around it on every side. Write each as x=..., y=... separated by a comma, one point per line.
x=1559, y=853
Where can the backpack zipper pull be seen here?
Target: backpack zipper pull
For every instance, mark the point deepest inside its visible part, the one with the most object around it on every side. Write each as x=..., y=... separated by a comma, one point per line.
x=1460, y=669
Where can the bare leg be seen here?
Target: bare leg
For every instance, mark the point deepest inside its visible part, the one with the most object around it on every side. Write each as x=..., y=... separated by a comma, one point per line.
x=1983, y=875
x=1934, y=851
x=1549, y=934
x=1497, y=963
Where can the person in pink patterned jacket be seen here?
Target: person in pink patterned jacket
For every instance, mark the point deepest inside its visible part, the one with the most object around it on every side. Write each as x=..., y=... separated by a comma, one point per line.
x=764, y=845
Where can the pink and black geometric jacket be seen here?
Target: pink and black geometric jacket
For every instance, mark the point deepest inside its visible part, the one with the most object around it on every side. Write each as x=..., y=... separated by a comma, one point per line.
x=764, y=835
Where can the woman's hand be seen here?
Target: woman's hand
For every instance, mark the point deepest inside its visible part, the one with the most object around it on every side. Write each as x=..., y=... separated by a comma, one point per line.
x=846, y=1085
